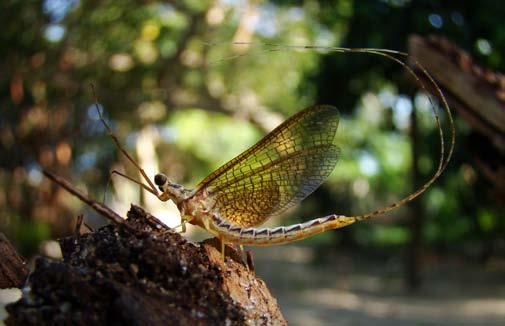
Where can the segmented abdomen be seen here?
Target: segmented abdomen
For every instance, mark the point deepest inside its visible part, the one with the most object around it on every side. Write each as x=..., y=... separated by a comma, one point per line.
x=231, y=233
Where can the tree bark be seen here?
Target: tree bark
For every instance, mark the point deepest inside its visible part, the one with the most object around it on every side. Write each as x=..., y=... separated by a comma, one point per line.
x=13, y=268
x=137, y=272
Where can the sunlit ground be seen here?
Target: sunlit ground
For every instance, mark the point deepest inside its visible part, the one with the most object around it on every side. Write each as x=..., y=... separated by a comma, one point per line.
x=356, y=290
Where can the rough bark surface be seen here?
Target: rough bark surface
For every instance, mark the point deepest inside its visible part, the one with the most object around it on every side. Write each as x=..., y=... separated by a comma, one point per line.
x=143, y=274
x=13, y=268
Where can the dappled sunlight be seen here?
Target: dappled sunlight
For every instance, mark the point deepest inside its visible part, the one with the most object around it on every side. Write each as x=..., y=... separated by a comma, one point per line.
x=360, y=187
x=121, y=62
x=146, y=52
x=152, y=111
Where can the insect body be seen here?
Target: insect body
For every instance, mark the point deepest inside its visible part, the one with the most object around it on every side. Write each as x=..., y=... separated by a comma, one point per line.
x=278, y=172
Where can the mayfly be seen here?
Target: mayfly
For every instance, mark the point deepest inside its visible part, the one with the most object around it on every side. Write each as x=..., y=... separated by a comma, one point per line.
x=278, y=172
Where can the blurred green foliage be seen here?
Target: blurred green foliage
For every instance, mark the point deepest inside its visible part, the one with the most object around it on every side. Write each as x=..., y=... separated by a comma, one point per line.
x=153, y=67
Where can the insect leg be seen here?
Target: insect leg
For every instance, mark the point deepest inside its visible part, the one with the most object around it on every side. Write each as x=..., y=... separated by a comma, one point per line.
x=246, y=257
x=250, y=261
x=182, y=226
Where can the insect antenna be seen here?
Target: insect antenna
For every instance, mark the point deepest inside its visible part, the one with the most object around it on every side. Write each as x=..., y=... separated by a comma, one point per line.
x=444, y=157
x=239, y=55
x=150, y=187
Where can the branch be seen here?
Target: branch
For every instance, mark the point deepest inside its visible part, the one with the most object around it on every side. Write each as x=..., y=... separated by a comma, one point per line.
x=476, y=92
x=100, y=208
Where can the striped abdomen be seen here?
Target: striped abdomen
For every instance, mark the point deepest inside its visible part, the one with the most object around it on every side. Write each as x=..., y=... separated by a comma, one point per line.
x=231, y=233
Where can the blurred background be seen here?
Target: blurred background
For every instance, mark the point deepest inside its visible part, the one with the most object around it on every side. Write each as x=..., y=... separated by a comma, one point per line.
x=183, y=100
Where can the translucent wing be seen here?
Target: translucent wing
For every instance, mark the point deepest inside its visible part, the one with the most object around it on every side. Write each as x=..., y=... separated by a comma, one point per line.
x=279, y=171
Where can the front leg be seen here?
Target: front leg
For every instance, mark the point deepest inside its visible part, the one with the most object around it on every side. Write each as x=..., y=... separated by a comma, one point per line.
x=184, y=219
x=183, y=225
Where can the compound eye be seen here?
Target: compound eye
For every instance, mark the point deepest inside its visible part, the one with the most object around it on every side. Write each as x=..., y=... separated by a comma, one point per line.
x=160, y=179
